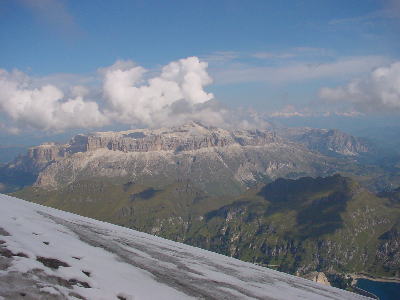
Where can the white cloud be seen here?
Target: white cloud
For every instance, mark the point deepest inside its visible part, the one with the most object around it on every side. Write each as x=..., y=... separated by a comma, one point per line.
x=294, y=52
x=349, y=114
x=221, y=57
x=271, y=55
x=380, y=91
x=298, y=71
x=64, y=81
x=127, y=96
x=131, y=99
x=290, y=111
x=44, y=107
x=390, y=10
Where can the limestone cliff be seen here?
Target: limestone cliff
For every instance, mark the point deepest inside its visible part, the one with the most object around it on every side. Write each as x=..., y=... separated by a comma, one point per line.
x=218, y=160
x=39, y=157
x=319, y=277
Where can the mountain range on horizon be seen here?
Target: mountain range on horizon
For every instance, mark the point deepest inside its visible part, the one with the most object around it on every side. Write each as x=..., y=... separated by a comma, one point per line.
x=231, y=160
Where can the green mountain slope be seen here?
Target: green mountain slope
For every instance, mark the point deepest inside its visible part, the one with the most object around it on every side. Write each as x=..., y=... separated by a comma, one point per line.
x=298, y=226
x=167, y=211
x=309, y=224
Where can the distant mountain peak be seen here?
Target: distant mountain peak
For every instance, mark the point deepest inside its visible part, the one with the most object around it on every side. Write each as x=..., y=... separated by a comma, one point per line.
x=327, y=141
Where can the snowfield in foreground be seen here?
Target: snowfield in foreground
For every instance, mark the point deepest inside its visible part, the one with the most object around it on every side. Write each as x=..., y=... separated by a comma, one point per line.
x=50, y=254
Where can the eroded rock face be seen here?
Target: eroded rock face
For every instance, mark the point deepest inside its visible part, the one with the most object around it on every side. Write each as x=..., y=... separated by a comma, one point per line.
x=214, y=158
x=39, y=157
x=188, y=137
x=227, y=169
x=388, y=252
x=319, y=277
x=185, y=138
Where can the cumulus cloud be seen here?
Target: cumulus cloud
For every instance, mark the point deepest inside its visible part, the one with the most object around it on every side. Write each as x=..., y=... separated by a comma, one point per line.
x=127, y=94
x=132, y=99
x=45, y=107
x=380, y=91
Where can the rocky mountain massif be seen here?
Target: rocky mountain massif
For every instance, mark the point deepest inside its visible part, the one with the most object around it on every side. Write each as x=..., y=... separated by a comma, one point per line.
x=217, y=161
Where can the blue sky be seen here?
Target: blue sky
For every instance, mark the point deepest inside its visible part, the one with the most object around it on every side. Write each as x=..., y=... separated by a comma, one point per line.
x=281, y=58
x=80, y=36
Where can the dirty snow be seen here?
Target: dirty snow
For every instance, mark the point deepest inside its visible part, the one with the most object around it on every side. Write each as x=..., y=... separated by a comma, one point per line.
x=50, y=254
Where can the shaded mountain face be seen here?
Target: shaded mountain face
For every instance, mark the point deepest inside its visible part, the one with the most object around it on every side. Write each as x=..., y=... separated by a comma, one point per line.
x=375, y=168
x=308, y=225
x=50, y=254
x=217, y=161
x=327, y=141
x=327, y=224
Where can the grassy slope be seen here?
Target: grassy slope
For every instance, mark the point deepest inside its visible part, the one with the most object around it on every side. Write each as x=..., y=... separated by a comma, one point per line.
x=299, y=225
x=165, y=211
x=304, y=225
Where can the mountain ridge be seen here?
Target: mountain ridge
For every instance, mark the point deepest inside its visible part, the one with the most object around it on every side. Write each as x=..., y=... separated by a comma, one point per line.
x=327, y=141
x=218, y=160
